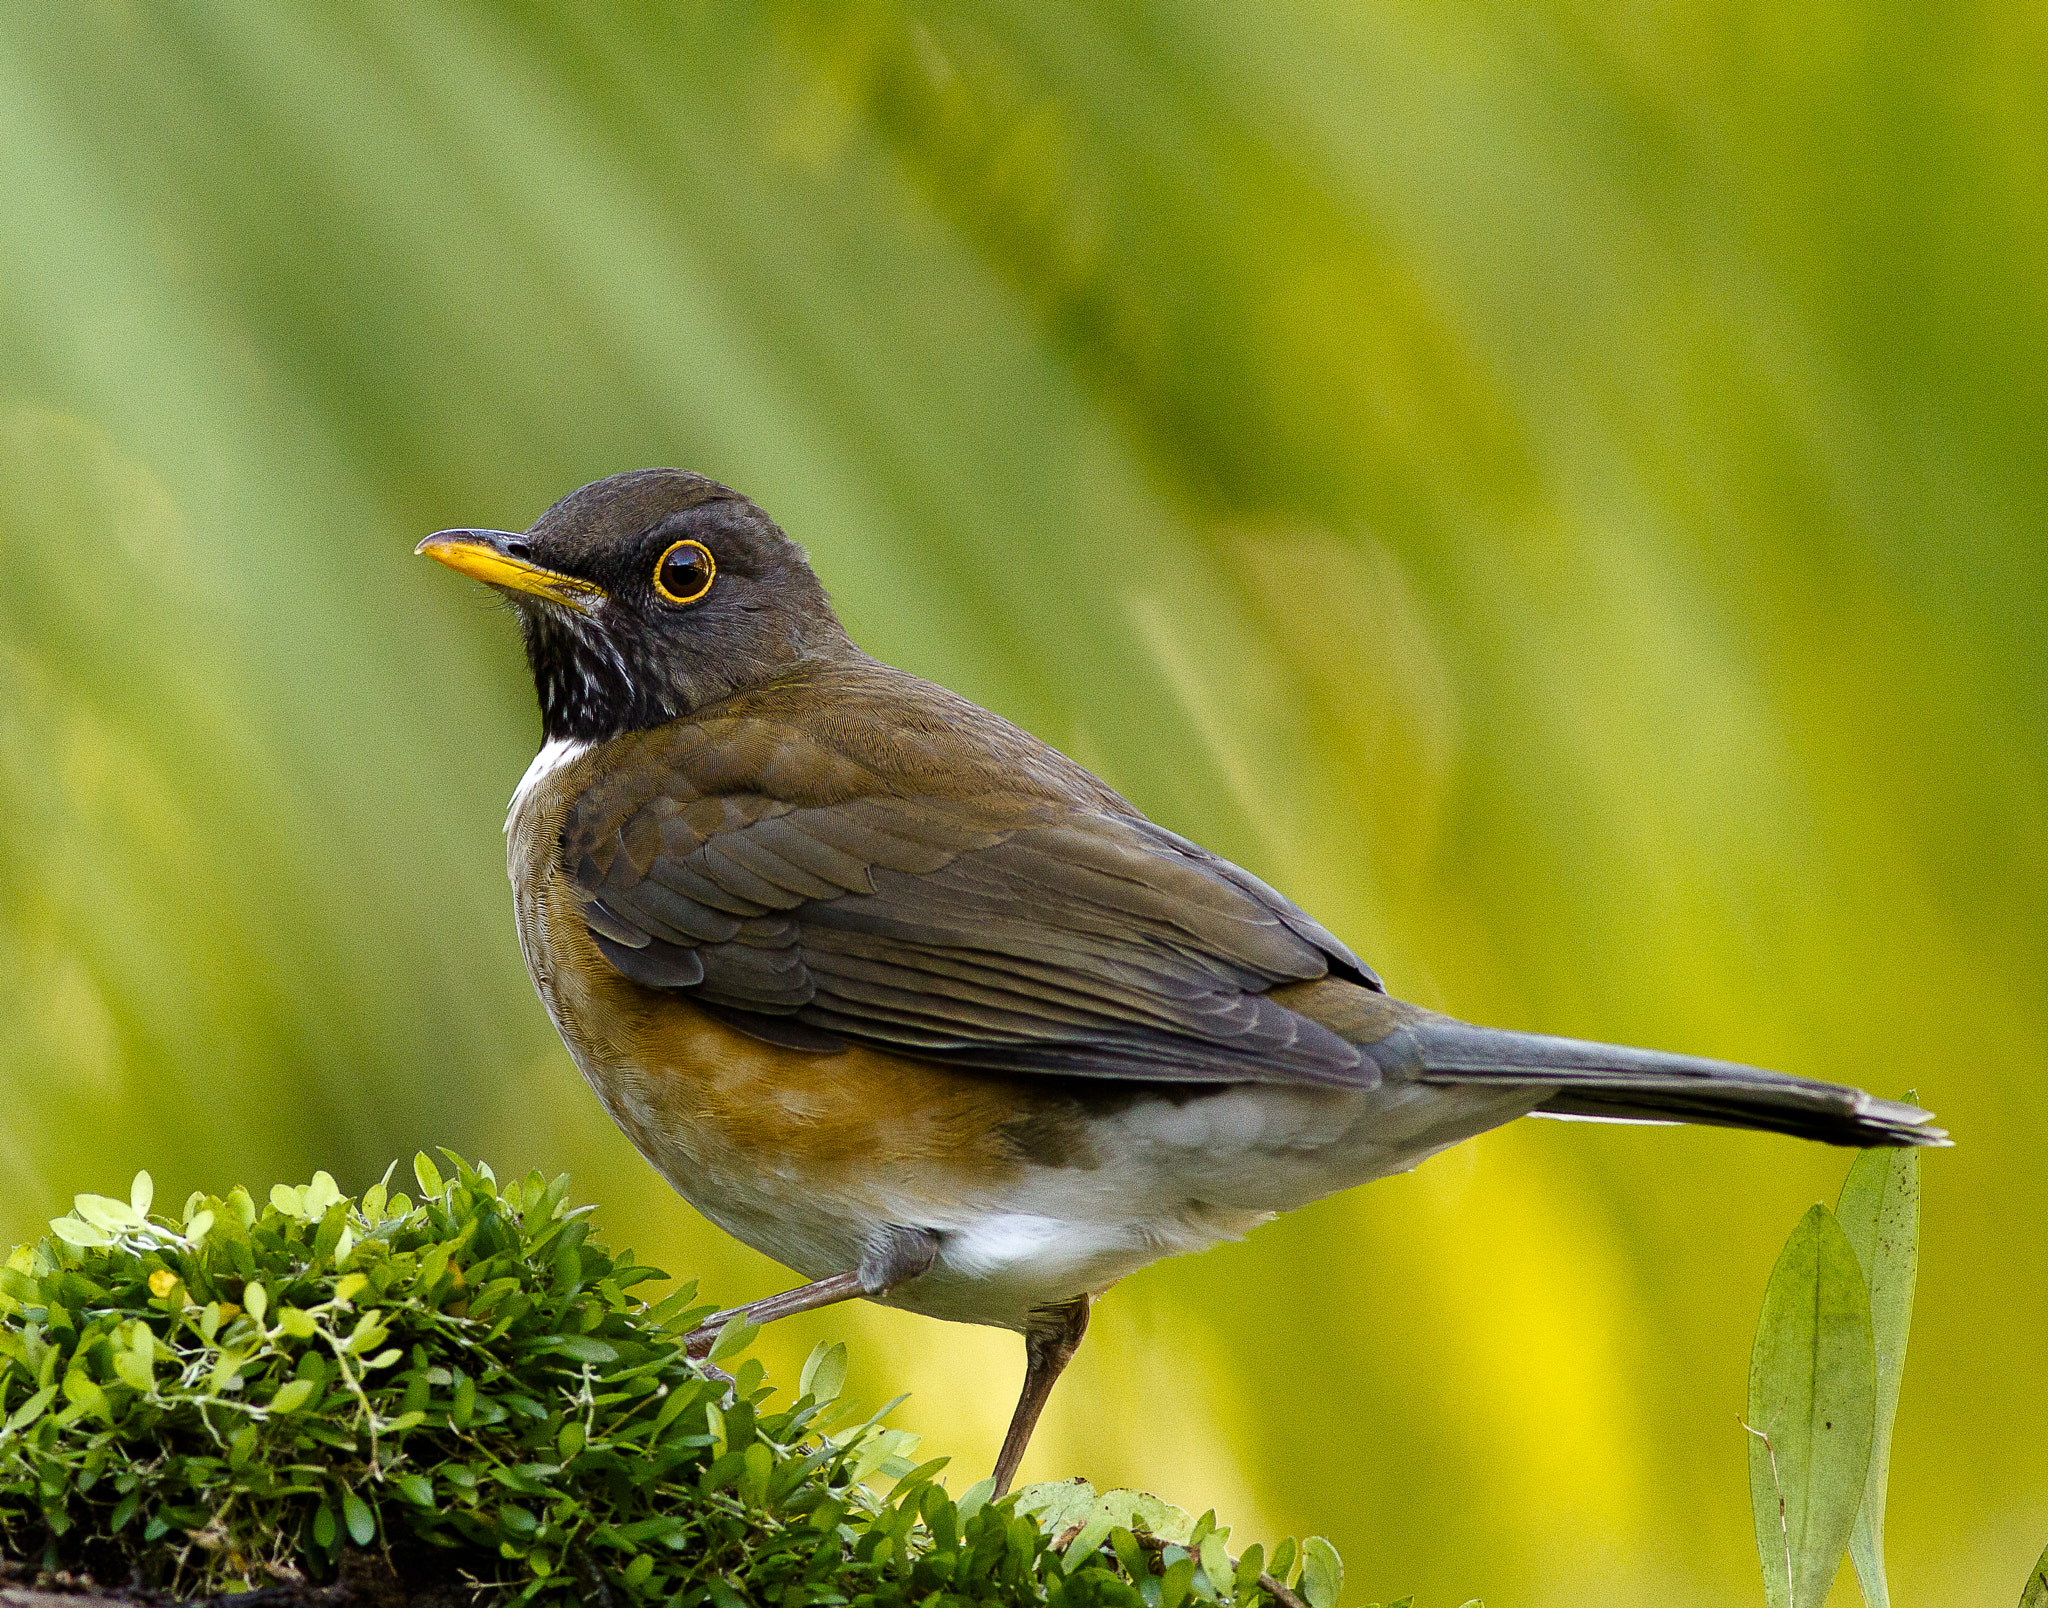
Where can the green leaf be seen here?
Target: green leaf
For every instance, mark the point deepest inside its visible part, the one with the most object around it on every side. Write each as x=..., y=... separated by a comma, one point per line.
x=428, y=1174
x=362, y=1524
x=1879, y=1210
x=140, y=1193
x=104, y=1212
x=1216, y=1564
x=735, y=1337
x=1057, y=1505
x=1322, y=1573
x=975, y=1497
x=1812, y=1404
x=73, y=1232
x=291, y=1396
x=2036, y=1594
x=32, y=1409
x=824, y=1372
x=135, y=1362
x=1176, y=1583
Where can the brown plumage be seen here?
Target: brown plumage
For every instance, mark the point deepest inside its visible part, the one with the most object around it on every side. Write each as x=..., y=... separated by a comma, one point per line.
x=903, y=997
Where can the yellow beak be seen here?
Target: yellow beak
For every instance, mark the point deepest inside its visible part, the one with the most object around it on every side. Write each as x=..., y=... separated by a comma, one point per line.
x=482, y=554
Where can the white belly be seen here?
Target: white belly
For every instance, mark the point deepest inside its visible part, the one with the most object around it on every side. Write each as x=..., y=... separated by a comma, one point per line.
x=1171, y=1178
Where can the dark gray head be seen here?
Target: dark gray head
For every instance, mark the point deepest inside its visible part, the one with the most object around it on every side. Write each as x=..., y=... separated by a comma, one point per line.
x=647, y=595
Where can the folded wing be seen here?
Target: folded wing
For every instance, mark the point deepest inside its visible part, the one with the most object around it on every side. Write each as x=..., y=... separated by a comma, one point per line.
x=1004, y=932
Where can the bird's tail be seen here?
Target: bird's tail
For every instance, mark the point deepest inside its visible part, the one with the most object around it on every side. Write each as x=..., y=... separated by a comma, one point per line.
x=1616, y=1083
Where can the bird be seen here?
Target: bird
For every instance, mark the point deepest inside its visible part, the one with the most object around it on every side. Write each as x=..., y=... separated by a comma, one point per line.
x=898, y=994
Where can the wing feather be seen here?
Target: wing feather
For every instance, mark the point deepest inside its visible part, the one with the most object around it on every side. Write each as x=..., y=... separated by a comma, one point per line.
x=1001, y=931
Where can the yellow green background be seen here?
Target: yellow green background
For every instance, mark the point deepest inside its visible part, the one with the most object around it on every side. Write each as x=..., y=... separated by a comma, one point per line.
x=1558, y=489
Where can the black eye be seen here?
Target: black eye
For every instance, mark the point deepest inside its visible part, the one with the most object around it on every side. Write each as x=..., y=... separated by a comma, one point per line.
x=684, y=573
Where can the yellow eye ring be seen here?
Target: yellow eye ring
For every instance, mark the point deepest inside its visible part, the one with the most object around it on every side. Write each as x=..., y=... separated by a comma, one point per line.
x=685, y=572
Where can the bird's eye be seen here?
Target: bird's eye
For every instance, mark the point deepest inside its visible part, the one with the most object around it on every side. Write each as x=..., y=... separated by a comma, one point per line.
x=684, y=573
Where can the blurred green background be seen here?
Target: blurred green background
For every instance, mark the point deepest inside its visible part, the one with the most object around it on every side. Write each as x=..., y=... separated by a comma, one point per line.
x=1556, y=489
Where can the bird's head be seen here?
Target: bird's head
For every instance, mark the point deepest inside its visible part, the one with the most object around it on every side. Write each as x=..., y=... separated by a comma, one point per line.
x=647, y=595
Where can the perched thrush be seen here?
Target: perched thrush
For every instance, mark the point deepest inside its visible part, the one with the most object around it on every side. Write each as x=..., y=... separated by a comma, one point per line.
x=902, y=997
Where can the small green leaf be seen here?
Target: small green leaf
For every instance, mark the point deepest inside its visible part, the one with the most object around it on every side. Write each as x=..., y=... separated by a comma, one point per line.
x=255, y=1299
x=291, y=1396
x=1249, y=1568
x=135, y=1362
x=1879, y=1210
x=83, y=1393
x=1812, y=1403
x=141, y=1192
x=516, y=1520
x=32, y=1409
x=429, y=1176
x=1176, y=1584
x=1056, y=1504
x=368, y=1332
x=1322, y=1573
x=975, y=1498
x=73, y=1232
x=296, y=1322
x=1216, y=1564
x=104, y=1212
x=734, y=1338
x=824, y=1372
x=362, y=1524
x=242, y=1205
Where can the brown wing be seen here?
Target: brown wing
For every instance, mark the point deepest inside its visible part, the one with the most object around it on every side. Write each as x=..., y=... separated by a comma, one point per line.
x=798, y=894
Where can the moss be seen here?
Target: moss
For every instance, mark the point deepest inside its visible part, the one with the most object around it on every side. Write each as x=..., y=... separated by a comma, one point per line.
x=249, y=1395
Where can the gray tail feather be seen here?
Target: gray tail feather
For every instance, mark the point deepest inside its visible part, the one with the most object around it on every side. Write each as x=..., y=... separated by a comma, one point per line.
x=1615, y=1082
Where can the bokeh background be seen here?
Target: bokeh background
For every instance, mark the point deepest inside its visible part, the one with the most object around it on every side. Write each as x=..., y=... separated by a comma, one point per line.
x=1558, y=489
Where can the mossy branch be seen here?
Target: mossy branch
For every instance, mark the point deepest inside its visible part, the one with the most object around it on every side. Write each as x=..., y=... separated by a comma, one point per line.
x=460, y=1397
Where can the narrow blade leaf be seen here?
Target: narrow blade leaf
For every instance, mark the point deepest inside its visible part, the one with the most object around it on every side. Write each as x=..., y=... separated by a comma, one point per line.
x=1812, y=1402
x=1880, y=1212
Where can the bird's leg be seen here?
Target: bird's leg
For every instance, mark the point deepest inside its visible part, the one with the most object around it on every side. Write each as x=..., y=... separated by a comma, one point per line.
x=1051, y=1337
x=897, y=1256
